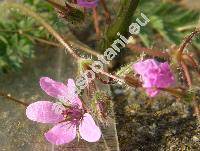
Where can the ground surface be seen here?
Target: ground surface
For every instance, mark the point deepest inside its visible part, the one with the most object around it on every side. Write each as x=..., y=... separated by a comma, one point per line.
x=161, y=125
x=142, y=124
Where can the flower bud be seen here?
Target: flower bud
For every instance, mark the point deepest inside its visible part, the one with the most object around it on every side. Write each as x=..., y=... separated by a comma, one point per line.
x=71, y=13
x=132, y=81
x=101, y=104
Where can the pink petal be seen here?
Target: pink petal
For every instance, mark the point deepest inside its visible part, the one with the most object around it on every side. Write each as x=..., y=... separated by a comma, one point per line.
x=89, y=131
x=43, y=112
x=72, y=96
x=142, y=67
x=154, y=74
x=53, y=88
x=61, y=134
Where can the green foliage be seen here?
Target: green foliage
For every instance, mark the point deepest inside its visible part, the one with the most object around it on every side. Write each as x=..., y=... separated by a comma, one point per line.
x=18, y=34
x=169, y=20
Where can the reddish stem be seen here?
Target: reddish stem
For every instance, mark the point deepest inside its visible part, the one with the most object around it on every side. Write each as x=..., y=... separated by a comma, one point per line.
x=155, y=53
x=111, y=76
x=178, y=92
x=190, y=59
x=107, y=13
x=188, y=40
x=9, y=97
x=187, y=73
x=109, y=81
x=96, y=21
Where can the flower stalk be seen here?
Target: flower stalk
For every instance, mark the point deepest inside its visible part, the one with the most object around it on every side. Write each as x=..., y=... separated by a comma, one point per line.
x=9, y=97
x=151, y=52
x=181, y=57
x=106, y=13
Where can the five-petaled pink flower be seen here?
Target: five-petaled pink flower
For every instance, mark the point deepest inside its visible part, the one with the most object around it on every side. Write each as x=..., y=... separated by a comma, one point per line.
x=71, y=118
x=87, y=3
x=154, y=75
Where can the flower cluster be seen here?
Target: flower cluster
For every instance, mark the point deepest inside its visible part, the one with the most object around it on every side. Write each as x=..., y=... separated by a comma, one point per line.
x=154, y=75
x=72, y=117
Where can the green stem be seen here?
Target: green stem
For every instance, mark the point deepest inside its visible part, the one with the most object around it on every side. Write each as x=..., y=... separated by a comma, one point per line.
x=121, y=23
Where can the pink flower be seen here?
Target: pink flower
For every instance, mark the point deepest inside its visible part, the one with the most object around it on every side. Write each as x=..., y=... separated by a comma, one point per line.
x=87, y=3
x=154, y=75
x=71, y=118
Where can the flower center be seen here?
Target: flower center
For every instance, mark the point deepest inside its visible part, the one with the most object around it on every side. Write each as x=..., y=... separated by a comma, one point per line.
x=73, y=114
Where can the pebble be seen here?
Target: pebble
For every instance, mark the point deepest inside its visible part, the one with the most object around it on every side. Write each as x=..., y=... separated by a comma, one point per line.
x=195, y=139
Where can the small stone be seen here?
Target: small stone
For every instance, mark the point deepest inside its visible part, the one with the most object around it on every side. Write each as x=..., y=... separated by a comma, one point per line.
x=118, y=91
x=4, y=115
x=195, y=139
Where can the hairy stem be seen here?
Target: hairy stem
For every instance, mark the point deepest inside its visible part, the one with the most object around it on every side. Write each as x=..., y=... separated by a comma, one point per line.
x=96, y=22
x=174, y=91
x=52, y=43
x=154, y=53
x=187, y=40
x=9, y=97
x=121, y=22
x=107, y=13
x=111, y=76
x=186, y=73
